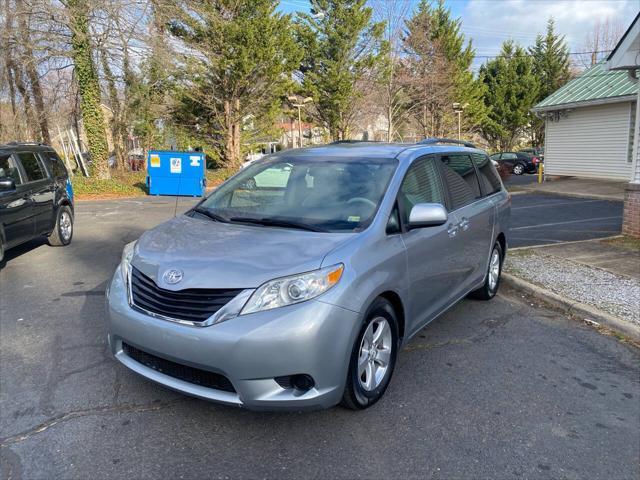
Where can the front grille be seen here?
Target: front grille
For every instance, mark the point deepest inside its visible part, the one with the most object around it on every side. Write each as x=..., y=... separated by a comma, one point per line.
x=204, y=378
x=192, y=304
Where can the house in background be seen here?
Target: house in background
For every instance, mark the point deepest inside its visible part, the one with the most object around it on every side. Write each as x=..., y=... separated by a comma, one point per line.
x=589, y=125
x=625, y=58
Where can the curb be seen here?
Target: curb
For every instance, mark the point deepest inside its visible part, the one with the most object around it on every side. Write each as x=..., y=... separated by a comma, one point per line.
x=586, y=312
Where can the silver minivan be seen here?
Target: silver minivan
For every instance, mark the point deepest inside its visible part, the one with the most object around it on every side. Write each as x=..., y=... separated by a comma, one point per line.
x=297, y=281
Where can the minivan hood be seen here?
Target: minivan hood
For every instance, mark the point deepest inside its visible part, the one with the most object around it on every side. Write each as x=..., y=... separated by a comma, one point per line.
x=224, y=255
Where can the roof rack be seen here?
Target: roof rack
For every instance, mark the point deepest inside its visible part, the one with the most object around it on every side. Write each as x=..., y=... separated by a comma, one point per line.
x=432, y=141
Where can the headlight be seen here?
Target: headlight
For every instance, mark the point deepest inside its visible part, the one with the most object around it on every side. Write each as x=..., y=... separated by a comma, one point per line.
x=125, y=262
x=294, y=289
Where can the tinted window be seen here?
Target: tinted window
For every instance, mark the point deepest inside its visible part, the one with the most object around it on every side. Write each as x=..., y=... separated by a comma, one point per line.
x=489, y=178
x=495, y=156
x=8, y=168
x=56, y=166
x=32, y=167
x=461, y=180
x=420, y=185
x=509, y=156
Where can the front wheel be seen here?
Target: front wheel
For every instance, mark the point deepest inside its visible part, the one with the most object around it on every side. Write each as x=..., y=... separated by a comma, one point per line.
x=518, y=169
x=373, y=357
x=492, y=279
x=63, y=230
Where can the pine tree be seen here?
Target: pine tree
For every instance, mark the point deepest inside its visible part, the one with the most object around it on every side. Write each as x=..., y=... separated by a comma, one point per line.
x=432, y=32
x=552, y=67
x=242, y=55
x=511, y=91
x=341, y=47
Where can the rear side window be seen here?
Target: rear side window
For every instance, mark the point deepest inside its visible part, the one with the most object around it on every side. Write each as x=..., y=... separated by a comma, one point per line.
x=489, y=178
x=32, y=166
x=509, y=156
x=55, y=164
x=8, y=168
x=461, y=179
x=420, y=185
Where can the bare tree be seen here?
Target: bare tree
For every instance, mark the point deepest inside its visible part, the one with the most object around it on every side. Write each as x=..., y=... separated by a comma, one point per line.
x=598, y=42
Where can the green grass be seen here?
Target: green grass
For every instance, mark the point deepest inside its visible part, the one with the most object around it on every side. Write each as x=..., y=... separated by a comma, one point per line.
x=626, y=242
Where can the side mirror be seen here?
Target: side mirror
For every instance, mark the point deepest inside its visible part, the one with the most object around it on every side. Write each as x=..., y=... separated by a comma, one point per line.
x=7, y=184
x=427, y=215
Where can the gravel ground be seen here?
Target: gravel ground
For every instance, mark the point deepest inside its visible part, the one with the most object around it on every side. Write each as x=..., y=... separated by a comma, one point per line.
x=617, y=295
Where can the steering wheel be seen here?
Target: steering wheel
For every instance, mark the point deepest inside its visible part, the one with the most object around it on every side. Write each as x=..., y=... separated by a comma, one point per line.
x=361, y=200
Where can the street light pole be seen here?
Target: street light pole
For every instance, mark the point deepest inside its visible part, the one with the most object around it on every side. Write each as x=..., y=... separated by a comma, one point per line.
x=299, y=104
x=459, y=108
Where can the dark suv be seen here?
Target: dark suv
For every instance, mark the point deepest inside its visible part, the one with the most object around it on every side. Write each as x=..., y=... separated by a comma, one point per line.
x=36, y=197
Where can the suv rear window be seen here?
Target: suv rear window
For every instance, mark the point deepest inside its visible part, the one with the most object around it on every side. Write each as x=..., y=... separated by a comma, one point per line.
x=8, y=168
x=32, y=166
x=489, y=178
x=57, y=168
x=461, y=179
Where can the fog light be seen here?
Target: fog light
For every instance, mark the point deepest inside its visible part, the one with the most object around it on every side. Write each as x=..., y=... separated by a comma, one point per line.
x=302, y=382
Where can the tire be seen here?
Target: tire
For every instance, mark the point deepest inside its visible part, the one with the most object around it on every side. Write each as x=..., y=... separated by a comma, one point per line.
x=518, y=169
x=63, y=230
x=491, y=283
x=366, y=381
x=1, y=252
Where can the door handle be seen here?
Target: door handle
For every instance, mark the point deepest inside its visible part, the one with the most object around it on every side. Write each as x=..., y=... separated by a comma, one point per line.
x=452, y=229
x=464, y=223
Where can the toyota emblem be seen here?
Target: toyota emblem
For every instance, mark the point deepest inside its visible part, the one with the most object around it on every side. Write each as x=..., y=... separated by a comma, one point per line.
x=173, y=276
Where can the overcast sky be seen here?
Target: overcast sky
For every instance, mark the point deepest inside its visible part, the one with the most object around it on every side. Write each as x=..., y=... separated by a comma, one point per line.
x=490, y=22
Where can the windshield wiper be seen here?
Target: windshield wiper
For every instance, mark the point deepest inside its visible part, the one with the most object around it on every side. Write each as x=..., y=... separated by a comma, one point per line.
x=276, y=222
x=208, y=213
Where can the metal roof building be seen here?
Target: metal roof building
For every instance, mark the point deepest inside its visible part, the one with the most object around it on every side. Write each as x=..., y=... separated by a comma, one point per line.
x=590, y=125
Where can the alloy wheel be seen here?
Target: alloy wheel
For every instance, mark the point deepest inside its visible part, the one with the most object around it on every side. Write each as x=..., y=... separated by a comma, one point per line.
x=375, y=354
x=494, y=269
x=66, y=225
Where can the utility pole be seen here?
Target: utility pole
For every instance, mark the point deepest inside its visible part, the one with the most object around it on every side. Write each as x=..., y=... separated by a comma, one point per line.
x=296, y=102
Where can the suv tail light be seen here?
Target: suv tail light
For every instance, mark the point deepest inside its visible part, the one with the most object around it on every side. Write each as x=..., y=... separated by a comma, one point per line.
x=535, y=160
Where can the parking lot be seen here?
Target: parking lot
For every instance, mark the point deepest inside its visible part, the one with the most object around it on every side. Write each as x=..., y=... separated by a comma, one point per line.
x=498, y=389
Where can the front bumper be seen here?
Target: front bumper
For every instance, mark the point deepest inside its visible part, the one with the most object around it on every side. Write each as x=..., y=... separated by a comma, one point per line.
x=313, y=338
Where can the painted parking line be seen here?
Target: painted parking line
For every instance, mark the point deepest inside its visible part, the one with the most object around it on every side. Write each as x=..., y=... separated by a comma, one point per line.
x=540, y=225
x=542, y=205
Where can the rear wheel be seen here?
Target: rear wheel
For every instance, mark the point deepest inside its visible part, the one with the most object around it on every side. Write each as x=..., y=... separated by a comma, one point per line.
x=518, y=169
x=373, y=357
x=492, y=280
x=63, y=230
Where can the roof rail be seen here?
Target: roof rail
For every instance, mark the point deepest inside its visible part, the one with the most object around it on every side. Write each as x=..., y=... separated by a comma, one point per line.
x=432, y=141
x=24, y=143
x=346, y=142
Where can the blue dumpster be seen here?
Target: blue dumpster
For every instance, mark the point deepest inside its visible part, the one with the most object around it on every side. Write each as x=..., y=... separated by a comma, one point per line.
x=176, y=173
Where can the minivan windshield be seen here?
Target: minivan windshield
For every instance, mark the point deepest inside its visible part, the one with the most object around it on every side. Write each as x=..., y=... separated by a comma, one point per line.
x=303, y=193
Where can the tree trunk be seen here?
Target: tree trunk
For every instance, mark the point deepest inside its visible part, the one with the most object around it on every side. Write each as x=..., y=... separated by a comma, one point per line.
x=26, y=100
x=32, y=73
x=116, y=121
x=232, y=134
x=89, y=86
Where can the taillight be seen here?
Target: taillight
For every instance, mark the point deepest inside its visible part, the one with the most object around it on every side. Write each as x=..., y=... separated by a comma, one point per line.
x=535, y=160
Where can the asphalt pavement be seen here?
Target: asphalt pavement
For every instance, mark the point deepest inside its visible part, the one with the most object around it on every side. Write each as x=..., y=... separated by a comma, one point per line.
x=499, y=389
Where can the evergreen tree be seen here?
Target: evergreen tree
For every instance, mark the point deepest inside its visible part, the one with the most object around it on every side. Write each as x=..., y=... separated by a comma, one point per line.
x=238, y=66
x=552, y=67
x=432, y=32
x=511, y=91
x=341, y=47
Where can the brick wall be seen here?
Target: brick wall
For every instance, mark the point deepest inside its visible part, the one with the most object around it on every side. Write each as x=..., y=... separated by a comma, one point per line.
x=631, y=218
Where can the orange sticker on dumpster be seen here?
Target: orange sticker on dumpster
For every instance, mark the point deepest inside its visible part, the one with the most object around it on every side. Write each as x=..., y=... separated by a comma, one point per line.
x=154, y=160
